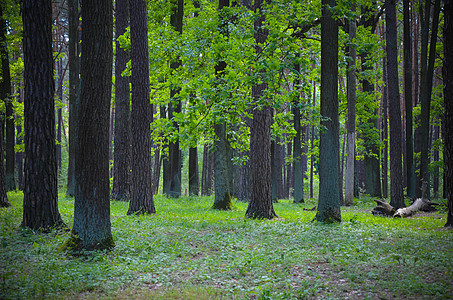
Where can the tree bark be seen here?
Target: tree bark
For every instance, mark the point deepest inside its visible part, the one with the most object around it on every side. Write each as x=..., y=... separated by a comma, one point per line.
x=260, y=205
x=351, y=94
x=425, y=98
x=447, y=72
x=328, y=201
x=122, y=138
x=141, y=116
x=5, y=95
x=410, y=169
x=194, y=185
x=297, y=155
x=396, y=187
x=92, y=228
x=40, y=194
x=74, y=92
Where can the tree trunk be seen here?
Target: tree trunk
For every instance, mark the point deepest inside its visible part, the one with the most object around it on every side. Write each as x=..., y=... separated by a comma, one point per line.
x=92, y=228
x=297, y=155
x=351, y=94
x=328, y=201
x=174, y=153
x=260, y=205
x=3, y=196
x=396, y=188
x=40, y=194
x=122, y=138
x=312, y=141
x=222, y=186
x=141, y=116
x=447, y=72
x=74, y=92
x=425, y=98
x=410, y=169
x=194, y=184
x=5, y=95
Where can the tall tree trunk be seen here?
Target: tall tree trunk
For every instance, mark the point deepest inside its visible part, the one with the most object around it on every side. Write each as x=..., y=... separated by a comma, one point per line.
x=447, y=72
x=122, y=137
x=194, y=185
x=4, y=202
x=41, y=193
x=141, y=116
x=59, y=114
x=385, y=186
x=74, y=92
x=410, y=169
x=351, y=94
x=260, y=205
x=312, y=141
x=297, y=155
x=425, y=98
x=5, y=95
x=92, y=227
x=174, y=153
x=328, y=201
x=396, y=188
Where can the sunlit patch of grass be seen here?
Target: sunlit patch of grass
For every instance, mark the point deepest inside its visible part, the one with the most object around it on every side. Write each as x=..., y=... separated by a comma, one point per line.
x=187, y=250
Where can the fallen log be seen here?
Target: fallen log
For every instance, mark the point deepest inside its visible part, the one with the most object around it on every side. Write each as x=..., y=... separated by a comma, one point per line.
x=384, y=208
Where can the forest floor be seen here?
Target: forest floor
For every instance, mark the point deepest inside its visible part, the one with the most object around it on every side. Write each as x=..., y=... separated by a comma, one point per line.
x=190, y=251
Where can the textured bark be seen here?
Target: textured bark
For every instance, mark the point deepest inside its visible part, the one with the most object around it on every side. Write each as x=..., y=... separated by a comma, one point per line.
x=174, y=153
x=407, y=61
x=122, y=153
x=260, y=205
x=59, y=114
x=5, y=96
x=297, y=155
x=328, y=201
x=141, y=117
x=447, y=72
x=312, y=138
x=40, y=194
x=74, y=90
x=223, y=189
x=4, y=202
x=92, y=228
x=385, y=186
x=425, y=97
x=396, y=173
x=351, y=83
x=194, y=182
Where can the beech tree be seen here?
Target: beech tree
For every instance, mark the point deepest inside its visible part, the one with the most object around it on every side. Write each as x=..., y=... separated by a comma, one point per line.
x=92, y=228
x=40, y=176
x=328, y=201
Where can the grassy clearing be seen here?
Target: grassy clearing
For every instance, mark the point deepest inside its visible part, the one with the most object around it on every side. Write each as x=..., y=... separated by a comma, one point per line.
x=189, y=251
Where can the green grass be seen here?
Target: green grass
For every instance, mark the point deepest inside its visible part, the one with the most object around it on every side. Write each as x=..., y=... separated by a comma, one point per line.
x=190, y=251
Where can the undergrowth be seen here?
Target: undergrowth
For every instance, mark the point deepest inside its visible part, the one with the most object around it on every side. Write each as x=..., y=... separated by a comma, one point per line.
x=190, y=251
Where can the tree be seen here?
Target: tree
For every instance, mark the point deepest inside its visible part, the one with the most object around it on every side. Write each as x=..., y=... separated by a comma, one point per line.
x=173, y=188
x=141, y=179
x=122, y=157
x=223, y=151
x=5, y=95
x=426, y=80
x=40, y=180
x=260, y=205
x=351, y=94
x=297, y=153
x=328, y=201
x=396, y=187
x=74, y=90
x=3, y=196
x=447, y=72
x=92, y=228
x=407, y=60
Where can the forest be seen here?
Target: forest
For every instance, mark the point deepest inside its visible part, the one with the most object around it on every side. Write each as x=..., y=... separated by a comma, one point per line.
x=209, y=149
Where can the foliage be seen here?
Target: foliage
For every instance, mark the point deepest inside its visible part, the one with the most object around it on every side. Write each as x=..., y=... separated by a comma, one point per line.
x=190, y=250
